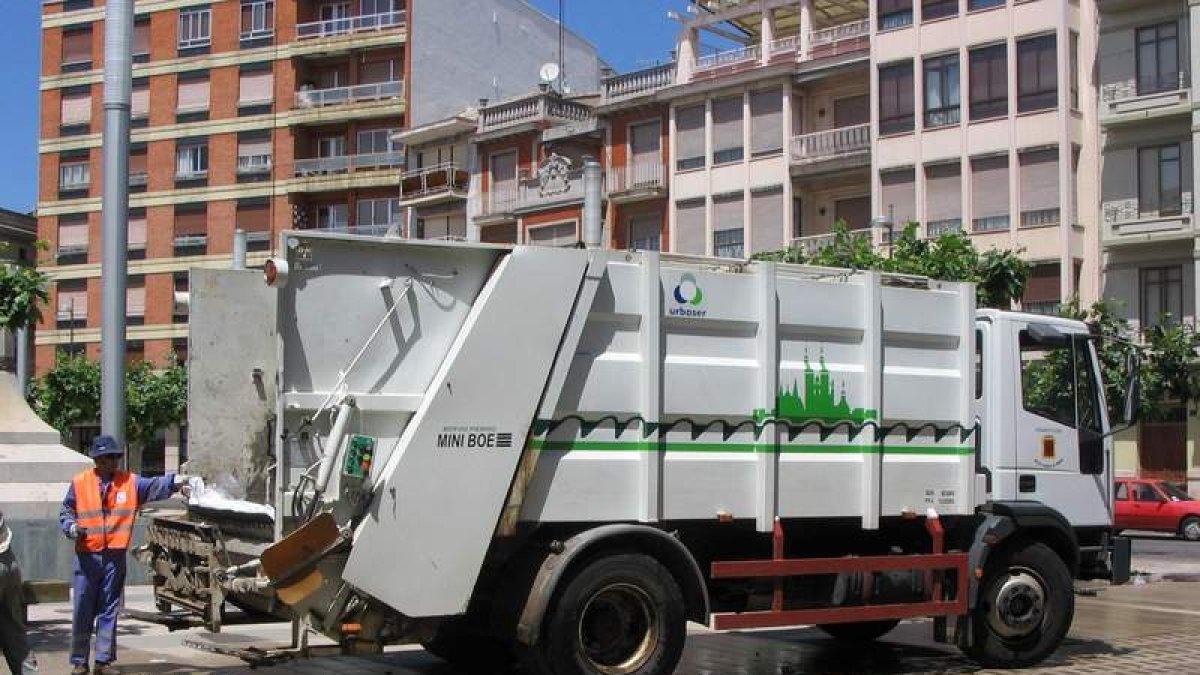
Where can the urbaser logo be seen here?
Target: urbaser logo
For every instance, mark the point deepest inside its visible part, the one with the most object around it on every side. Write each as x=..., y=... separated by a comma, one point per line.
x=688, y=298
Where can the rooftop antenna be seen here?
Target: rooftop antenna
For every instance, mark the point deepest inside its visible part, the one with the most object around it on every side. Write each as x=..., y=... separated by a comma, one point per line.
x=561, y=40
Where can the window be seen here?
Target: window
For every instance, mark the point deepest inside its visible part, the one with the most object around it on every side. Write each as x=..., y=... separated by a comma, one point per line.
x=331, y=216
x=137, y=230
x=851, y=111
x=895, y=14
x=254, y=155
x=645, y=155
x=1122, y=492
x=386, y=70
x=943, y=199
x=989, y=82
x=135, y=298
x=1039, y=188
x=1160, y=188
x=938, y=9
x=728, y=230
x=191, y=161
x=644, y=233
x=1037, y=74
x=1043, y=291
x=331, y=146
x=689, y=138
x=766, y=122
x=77, y=49
x=72, y=235
x=378, y=214
x=256, y=87
x=254, y=218
x=896, y=98
x=1074, y=74
x=377, y=142
x=978, y=364
x=258, y=19
x=562, y=235
x=855, y=212
x=76, y=108
x=139, y=174
x=690, y=216
x=140, y=101
x=195, y=28
x=141, y=39
x=1048, y=379
x=989, y=194
x=899, y=195
x=74, y=175
x=1161, y=294
x=1145, y=492
x=72, y=301
x=728, y=143
x=372, y=7
x=191, y=229
x=193, y=95
x=941, y=91
x=1158, y=58
x=766, y=220
x=973, y=5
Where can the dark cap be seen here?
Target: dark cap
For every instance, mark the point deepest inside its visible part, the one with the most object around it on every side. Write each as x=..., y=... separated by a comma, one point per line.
x=105, y=445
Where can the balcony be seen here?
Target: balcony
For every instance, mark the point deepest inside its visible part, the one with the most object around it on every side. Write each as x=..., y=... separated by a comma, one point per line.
x=1126, y=223
x=531, y=195
x=729, y=59
x=359, y=93
x=639, y=180
x=638, y=83
x=832, y=149
x=846, y=38
x=253, y=165
x=370, y=230
x=1130, y=101
x=320, y=166
x=538, y=110
x=138, y=179
x=366, y=23
x=814, y=244
x=444, y=182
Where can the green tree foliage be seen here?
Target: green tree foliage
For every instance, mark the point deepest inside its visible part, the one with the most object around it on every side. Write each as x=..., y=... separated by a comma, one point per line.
x=22, y=290
x=69, y=395
x=999, y=276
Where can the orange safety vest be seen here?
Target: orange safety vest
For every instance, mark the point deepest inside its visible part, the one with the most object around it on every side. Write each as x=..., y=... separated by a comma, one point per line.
x=109, y=524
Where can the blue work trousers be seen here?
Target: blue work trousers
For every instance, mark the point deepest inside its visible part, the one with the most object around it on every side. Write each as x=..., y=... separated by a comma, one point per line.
x=98, y=590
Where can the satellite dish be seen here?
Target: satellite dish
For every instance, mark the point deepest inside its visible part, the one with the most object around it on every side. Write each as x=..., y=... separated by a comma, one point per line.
x=549, y=72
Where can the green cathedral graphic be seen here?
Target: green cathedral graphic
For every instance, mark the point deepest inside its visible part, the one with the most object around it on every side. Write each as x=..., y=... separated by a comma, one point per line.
x=819, y=403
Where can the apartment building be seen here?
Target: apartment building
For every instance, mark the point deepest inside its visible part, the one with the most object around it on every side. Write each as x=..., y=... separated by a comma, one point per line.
x=260, y=115
x=1146, y=70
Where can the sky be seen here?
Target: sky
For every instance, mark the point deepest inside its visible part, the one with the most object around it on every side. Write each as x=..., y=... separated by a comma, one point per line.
x=630, y=34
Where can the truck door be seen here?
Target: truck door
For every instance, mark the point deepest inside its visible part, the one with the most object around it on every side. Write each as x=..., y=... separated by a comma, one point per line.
x=1061, y=457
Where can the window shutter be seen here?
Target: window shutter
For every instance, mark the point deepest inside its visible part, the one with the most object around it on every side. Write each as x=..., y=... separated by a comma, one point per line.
x=255, y=148
x=73, y=233
x=140, y=101
x=141, y=38
x=256, y=86
x=254, y=218
x=72, y=303
x=190, y=223
x=855, y=212
x=504, y=172
x=77, y=47
x=943, y=192
x=193, y=95
x=137, y=231
x=989, y=187
x=378, y=71
x=135, y=300
x=689, y=132
x=76, y=108
x=851, y=111
x=899, y=195
x=766, y=221
x=561, y=235
x=766, y=121
x=1039, y=180
x=690, y=227
x=644, y=140
x=727, y=124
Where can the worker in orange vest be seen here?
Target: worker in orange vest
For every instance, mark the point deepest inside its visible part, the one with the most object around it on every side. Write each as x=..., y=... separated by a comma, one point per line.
x=98, y=513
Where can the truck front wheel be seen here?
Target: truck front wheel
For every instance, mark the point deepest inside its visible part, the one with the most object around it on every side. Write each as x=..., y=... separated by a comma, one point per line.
x=1025, y=607
x=619, y=615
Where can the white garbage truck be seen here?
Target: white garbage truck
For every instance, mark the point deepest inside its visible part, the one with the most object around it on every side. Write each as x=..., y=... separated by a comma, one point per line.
x=565, y=455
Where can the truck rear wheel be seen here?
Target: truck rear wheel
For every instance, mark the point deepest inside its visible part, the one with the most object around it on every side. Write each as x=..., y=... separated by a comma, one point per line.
x=861, y=631
x=619, y=615
x=1025, y=608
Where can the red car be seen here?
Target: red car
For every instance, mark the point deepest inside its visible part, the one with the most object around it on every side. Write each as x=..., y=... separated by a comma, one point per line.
x=1156, y=505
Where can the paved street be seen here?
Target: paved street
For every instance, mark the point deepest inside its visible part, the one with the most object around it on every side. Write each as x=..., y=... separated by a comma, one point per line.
x=1143, y=627
x=1165, y=556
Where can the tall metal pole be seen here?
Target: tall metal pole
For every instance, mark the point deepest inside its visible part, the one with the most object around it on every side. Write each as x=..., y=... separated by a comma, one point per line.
x=118, y=83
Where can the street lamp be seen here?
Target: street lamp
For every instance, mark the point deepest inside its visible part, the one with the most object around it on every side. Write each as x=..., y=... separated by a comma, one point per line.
x=879, y=222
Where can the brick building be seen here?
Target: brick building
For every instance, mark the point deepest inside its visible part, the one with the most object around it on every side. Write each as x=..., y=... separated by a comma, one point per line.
x=261, y=115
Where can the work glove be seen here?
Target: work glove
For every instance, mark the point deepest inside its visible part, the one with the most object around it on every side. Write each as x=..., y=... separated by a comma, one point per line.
x=183, y=483
x=76, y=532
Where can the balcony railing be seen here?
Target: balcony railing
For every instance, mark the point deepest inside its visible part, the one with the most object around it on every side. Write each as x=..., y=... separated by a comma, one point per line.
x=349, y=25
x=990, y=223
x=936, y=228
x=71, y=249
x=250, y=165
x=1041, y=217
x=531, y=194
x=845, y=32
x=787, y=44
x=814, y=244
x=532, y=109
x=831, y=143
x=359, y=93
x=191, y=241
x=1130, y=88
x=639, y=82
x=1124, y=211
x=646, y=174
x=443, y=178
x=138, y=178
x=728, y=58
x=348, y=163
x=370, y=230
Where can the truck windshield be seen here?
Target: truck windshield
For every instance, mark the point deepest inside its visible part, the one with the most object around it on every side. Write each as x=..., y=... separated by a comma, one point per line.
x=1058, y=382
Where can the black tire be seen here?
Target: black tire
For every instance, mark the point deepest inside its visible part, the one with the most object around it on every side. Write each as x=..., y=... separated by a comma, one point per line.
x=1025, y=607
x=620, y=614
x=862, y=631
x=1189, y=528
x=470, y=650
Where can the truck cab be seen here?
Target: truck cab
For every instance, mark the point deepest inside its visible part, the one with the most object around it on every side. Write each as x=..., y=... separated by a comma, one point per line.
x=1045, y=433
